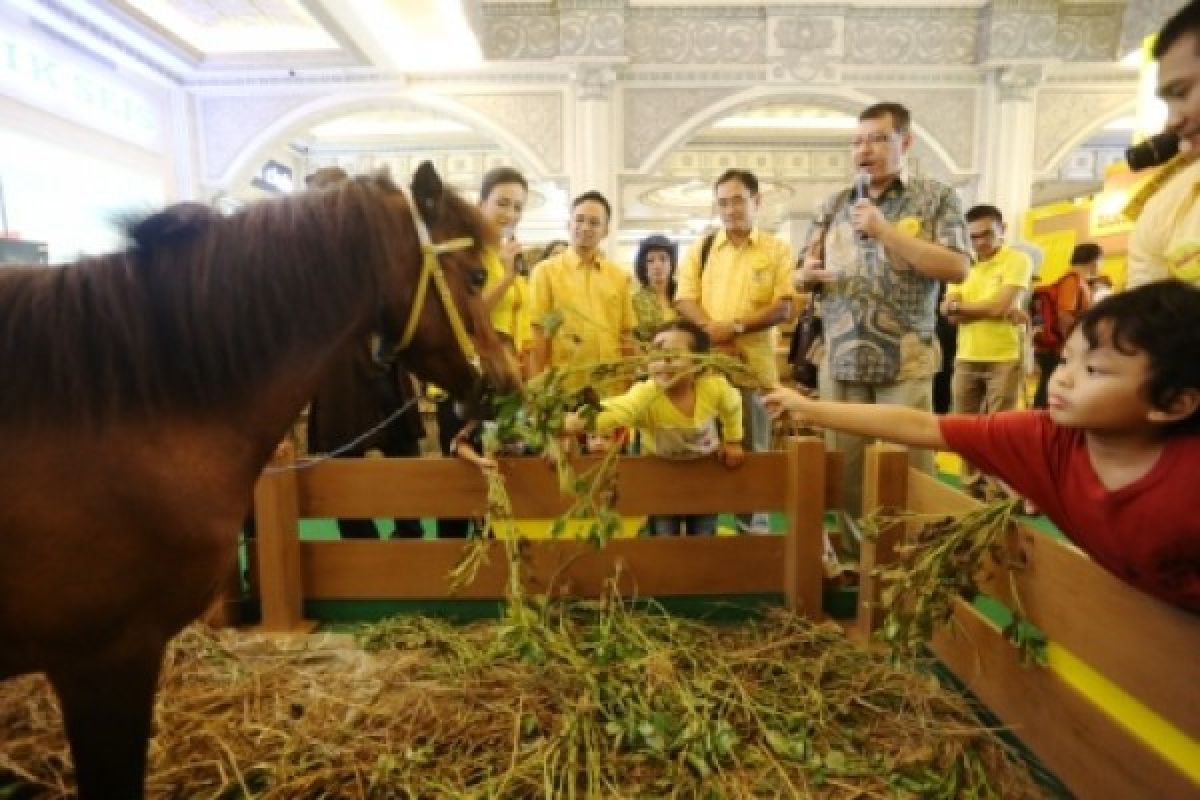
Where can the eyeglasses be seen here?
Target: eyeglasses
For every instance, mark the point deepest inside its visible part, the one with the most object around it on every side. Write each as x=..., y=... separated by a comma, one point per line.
x=737, y=201
x=872, y=138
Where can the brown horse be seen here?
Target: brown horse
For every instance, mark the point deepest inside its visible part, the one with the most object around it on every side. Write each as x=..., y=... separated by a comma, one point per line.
x=141, y=394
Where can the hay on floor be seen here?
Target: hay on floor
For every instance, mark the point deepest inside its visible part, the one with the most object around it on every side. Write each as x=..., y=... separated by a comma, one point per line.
x=586, y=700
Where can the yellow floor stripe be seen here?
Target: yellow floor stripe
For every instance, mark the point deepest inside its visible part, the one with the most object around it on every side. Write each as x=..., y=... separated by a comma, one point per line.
x=1160, y=735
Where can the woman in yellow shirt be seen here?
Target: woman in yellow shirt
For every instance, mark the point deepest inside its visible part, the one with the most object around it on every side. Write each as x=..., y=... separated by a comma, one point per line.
x=502, y=199
x=654, y=301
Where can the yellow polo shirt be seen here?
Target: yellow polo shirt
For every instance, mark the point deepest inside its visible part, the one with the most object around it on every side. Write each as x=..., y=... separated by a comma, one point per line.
x=510, y=315
x=1165, y=242
x=667, y=431
x=992, y=339
x=739, y=282
x=596, y=303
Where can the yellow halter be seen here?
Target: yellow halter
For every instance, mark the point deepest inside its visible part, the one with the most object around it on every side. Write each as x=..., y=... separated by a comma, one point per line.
x=431, y=268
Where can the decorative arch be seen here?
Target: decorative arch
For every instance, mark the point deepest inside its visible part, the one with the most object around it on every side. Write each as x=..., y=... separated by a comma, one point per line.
x=1090, y=127
x=847, y=100
x=303, y=117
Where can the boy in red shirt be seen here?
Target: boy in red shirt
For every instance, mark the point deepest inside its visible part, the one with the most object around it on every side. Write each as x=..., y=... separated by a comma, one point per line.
x=1113, y=459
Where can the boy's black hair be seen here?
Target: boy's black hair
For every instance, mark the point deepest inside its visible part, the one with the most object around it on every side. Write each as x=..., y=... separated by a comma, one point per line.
x=1158, y=319
x=594, y=197
x=1086, y=253
x=984, y=211
x=645, y=247
x=701, y=342
x=1186, y=20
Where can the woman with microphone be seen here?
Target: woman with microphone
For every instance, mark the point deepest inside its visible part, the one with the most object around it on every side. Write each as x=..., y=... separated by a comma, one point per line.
x=502, y=199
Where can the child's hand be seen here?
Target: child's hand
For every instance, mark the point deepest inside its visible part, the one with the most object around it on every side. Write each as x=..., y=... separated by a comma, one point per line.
x=486, y=464
x=731, y=454
x=573, y=423
x=785, y=401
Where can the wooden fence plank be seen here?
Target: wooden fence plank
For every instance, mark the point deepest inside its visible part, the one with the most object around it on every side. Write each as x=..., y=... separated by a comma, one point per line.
x=885, y=485
x=661, y=566
x=1102, y=620
x=1092, y=753
x=276, y=510
x=447, y=487
x=803, y=572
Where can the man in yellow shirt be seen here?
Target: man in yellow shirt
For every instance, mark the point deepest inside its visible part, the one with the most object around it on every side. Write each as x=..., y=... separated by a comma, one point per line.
x=987, y=368
x=582, y=303
x=738, y=295
x=1166, y=236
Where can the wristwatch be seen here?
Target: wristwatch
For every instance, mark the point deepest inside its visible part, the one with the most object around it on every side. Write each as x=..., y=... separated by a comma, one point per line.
x=739, y=327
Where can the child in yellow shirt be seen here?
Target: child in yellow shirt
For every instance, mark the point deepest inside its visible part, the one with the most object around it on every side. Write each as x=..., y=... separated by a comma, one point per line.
x=676, y=413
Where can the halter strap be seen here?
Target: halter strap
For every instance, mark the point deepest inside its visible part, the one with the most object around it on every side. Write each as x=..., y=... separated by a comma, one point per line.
x=431, y=268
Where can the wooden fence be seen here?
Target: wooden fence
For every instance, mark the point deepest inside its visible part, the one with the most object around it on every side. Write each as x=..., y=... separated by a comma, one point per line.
x=1116, y=714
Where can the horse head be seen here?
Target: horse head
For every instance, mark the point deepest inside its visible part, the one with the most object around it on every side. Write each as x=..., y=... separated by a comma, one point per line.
x=438, y=325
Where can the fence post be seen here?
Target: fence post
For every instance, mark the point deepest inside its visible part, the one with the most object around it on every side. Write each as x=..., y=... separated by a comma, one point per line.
x=277, y=516
x=803, y=574
x=885, y=485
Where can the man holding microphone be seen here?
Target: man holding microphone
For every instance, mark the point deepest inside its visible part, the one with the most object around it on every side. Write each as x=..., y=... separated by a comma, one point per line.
x=879, y=251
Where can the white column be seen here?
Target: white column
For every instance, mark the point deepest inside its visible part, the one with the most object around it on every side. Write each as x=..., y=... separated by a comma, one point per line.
x=1008, y=133
x=593, y=163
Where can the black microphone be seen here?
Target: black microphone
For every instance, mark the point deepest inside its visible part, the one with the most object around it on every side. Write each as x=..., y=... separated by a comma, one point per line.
x=861, y=191
x=1155, y=150
x=510, y=233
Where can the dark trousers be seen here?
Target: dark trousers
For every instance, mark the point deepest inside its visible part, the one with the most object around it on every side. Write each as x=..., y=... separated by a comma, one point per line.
x=449, y=424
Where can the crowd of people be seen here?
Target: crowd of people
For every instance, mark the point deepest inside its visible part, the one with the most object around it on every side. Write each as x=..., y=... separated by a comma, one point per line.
x=1104, y=446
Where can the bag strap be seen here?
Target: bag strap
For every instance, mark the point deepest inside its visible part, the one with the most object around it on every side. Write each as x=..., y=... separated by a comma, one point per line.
x=705, y=249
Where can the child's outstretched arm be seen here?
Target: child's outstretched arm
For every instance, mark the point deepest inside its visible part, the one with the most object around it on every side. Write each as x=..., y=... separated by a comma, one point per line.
x=894, y=423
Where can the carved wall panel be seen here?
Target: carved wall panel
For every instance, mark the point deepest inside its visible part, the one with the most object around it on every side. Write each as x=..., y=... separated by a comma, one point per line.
x=229, y=124
x=534, y=118
x=695, y=36
x=1018, y=29
x=912, y=36
x=591, y=32
x=805, y=48
x=1062, y=115
x=519, y=34
x=1089, y=32
x=652, y=114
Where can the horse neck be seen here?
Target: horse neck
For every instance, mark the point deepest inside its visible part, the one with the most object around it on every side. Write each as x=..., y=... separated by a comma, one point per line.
x=313, y=282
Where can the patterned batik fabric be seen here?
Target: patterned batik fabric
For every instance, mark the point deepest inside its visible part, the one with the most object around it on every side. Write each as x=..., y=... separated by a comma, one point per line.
x=878, y=300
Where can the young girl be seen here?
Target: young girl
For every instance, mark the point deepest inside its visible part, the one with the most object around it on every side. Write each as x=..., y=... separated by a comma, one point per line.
x=1113, y=459
x=676, y=412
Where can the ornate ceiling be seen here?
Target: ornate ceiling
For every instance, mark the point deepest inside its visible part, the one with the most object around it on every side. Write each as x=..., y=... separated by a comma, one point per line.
x=702, y=85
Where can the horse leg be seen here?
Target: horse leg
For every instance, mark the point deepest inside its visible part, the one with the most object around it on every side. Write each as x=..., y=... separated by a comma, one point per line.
x=107, y=706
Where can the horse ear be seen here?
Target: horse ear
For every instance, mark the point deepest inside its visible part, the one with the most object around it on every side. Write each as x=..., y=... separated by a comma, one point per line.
x=172, y=226
x=427, y=190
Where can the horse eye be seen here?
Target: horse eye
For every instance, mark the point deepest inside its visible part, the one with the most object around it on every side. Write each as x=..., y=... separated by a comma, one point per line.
x=478, y=278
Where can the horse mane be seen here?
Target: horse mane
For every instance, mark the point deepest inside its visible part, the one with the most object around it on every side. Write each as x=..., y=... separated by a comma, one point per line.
x=198, y=310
